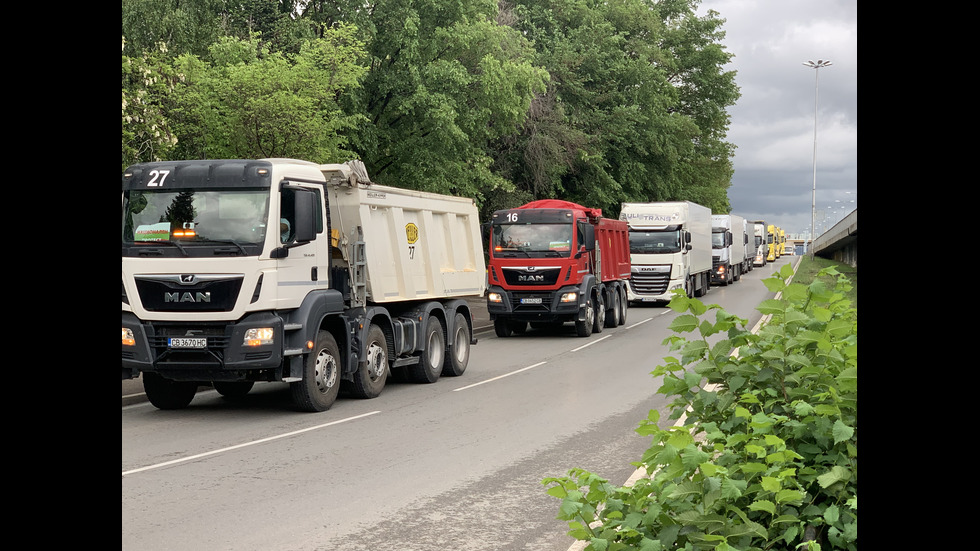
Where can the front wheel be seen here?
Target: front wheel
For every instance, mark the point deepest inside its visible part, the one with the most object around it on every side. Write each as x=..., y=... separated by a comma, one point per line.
x=370, y=378
x=502, y=327
x=459, y=348
x=167, y=394
x=583, y=328
x=433, y=356
x=321, y=376
x=233, y=389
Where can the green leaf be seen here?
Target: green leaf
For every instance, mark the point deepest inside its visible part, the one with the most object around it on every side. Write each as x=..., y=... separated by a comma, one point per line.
x=684, y=324
x=842, y=432
x=763, y=505
x=836, y=474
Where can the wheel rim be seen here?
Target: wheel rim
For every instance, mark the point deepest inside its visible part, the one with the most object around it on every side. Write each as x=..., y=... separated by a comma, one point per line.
x=589, y=313
x=460, y=344
x=326, y=371
x=377, y=360
x=435, y=351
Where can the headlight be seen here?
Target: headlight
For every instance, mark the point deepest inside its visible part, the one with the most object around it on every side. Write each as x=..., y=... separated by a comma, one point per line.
x=569, y=297
x=259, y=336
x=127, y=337
x=495, y=297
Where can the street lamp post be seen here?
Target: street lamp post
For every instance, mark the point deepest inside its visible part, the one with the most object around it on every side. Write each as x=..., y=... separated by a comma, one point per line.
x=816, y=87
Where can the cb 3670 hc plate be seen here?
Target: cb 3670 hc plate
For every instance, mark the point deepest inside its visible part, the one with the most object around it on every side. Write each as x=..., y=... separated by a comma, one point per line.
x=196, y=342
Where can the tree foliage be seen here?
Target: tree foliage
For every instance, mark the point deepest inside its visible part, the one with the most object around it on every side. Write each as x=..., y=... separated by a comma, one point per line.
x=766, y=457
x=500, y=100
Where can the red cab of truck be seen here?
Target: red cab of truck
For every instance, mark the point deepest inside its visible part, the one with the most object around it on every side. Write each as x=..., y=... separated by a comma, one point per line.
x=553, y=262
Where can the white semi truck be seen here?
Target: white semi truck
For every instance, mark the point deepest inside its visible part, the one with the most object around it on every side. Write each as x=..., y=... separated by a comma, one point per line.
x=759, y=245
x=280, y=270
x=670, y=248
x=728, y=241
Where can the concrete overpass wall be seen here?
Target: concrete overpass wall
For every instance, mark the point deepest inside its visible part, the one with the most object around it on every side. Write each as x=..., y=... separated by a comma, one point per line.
x=839, y=243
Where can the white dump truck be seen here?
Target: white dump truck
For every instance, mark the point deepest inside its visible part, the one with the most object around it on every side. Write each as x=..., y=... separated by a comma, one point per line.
x=280, y=270
x=728, y=241
x=670, y=248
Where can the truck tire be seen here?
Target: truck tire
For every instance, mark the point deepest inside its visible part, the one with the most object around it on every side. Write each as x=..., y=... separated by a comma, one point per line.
x=233, y=389
x=370, y=378
x=502, y=327
x=321, y=376
x=624, y=305
x=433, y=356
x=612, y=315
x=584, y=328
x=459, y=348
x=600, y=312
x=167, y=394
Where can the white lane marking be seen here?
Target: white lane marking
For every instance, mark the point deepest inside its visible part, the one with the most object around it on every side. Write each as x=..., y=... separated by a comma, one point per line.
x=499, y=376
x=591, y=343
x=245, y=444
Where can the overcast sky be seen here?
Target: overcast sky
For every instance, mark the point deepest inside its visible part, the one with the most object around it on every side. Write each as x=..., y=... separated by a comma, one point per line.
x=772, y=124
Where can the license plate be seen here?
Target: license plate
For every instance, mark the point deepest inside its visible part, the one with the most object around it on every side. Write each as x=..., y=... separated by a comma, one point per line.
x=197, y=342
x=531, y=300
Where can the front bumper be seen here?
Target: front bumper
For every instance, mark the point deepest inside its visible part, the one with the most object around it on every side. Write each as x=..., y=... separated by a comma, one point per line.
x=224, y=358
x=536, y=306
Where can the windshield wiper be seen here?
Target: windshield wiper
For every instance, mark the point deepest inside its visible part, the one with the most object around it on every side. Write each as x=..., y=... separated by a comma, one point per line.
x=230, y=242
x=167, y=242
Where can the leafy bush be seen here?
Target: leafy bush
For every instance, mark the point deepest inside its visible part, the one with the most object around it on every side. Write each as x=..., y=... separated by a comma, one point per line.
x=765, y=456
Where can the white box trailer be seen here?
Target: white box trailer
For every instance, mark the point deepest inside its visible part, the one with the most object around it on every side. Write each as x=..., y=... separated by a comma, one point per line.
x=243, y=271
x=670, y=248
x=759, y=243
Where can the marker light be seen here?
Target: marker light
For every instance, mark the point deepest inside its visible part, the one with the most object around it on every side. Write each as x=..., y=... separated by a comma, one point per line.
x=184, y=233
x=258, y=336
x=127, y=337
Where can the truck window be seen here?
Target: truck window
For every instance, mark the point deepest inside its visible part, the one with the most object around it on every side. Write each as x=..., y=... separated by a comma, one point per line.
x=533, y=238
x=195, y=216
x=655, y=242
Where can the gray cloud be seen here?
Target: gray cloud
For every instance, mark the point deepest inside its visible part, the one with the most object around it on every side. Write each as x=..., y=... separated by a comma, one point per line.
x=772, y=125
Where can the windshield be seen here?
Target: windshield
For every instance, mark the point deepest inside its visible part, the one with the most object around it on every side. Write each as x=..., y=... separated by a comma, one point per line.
x=195, y=217
x=718, y=239
x=652, y=242
x=551, y=239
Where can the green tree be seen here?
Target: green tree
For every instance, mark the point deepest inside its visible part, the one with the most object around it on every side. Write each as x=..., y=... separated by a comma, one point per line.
x=148, y=87
x=445, y=80
x=184, y=26
x=252, y=102
x=617, y=122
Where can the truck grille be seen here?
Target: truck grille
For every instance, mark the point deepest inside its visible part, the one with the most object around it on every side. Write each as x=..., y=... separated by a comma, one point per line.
x=524, y=276
x=653, y=282
x=218, y=340
x=206, y=294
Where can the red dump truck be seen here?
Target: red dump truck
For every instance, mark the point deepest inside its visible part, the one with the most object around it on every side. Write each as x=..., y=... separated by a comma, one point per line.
x=553, y=262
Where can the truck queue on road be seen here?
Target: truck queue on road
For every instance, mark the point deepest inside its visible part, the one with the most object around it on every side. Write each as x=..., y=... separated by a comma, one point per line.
x=243, y=271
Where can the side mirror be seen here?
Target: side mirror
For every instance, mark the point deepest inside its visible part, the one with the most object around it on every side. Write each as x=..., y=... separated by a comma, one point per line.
x=305, y=211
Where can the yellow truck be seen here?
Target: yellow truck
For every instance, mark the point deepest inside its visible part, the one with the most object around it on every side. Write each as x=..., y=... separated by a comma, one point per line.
x=772, y=241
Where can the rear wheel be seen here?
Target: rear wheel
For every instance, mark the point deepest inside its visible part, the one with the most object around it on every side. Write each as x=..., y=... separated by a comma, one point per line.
x=233, y=389
x=321, y=376
x=612, y=316
x=433, y=357
x=623, y=305
x=167, y=394
x=459, y=348
x=600, y=312
x=370, y=378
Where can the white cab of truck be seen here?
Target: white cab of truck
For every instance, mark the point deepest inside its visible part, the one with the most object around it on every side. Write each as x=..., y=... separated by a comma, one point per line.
x=670, y=248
